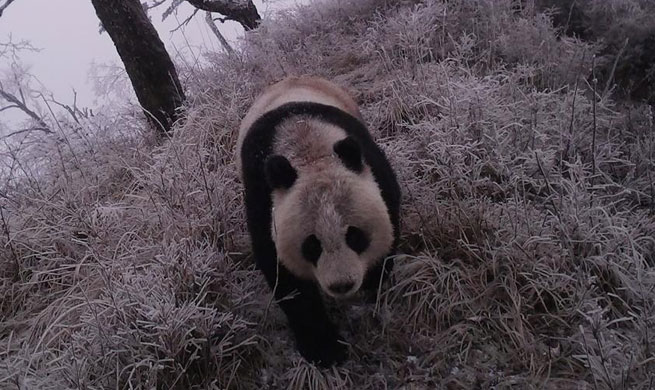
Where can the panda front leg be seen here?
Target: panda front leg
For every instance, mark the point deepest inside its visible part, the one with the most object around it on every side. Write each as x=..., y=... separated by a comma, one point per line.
x=376, y=277
x=317, y=338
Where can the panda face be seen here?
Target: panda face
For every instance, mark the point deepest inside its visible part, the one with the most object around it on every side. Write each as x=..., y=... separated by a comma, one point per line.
x=330, y=225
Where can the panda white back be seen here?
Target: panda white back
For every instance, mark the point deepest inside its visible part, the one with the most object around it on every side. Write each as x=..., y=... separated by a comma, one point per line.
x=295, y=89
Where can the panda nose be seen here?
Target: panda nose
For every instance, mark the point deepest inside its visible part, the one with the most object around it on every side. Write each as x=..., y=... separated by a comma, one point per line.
x=341, y=287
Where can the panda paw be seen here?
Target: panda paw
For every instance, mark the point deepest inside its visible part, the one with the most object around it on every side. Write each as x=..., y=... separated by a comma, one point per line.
x=324, y=350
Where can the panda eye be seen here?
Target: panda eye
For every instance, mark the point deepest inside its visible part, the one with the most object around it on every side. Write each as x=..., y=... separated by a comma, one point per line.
x=357, y=239
x=311, y=249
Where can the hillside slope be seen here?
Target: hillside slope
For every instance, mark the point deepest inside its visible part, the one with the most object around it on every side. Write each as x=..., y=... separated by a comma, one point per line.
x=527, y=253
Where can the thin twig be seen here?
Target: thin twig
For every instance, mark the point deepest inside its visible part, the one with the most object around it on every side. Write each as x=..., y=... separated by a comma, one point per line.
x=73, y=111
x=10, y=49
x=23, y=107
x=185, y=21
x=570, y=15
x=154, y=4
x=575, y=94
x=13, y=133
x=651, y=160
x=593, y=135
x=8, y=107
x=616, y=62
x=221, y=38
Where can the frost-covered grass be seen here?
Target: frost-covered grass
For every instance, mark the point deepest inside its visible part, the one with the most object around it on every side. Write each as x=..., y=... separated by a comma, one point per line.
x=527, y=255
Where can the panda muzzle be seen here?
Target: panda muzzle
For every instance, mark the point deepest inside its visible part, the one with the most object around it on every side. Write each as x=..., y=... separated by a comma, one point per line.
x=339, y=276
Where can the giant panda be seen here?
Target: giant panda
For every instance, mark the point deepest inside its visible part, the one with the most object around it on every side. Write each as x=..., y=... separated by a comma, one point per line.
x=322, y=205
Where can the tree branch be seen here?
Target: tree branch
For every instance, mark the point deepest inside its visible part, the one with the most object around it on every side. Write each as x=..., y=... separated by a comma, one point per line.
x=4, y=6
x=221, y=38
x=10, y=49
x=73, y=111
x=43, y=129
x=185, y=21
x=8, y=107
x=243, y=12
x=21, y=105
x=154, y=4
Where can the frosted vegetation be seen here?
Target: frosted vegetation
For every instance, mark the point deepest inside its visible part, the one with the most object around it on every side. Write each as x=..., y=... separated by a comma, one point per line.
x=527, y=252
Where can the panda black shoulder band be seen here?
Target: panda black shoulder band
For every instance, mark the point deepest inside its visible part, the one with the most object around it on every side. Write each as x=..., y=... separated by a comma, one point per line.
x=323, y=112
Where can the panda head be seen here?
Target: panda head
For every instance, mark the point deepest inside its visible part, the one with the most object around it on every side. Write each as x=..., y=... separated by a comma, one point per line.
x=330, y=223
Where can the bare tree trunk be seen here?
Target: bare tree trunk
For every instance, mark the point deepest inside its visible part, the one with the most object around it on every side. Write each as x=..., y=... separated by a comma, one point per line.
x=4, y=6
x=146, y=61
x=243, y=12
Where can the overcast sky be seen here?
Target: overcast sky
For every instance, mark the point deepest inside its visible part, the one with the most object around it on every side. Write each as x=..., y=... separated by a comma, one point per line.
x=66, y=31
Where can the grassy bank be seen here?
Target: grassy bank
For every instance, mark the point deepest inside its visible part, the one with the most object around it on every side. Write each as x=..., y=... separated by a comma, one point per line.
x=527, y=254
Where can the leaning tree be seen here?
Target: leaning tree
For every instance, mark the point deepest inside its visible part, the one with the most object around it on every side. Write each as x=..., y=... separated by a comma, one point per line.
x=144, y=56
x=148, y=65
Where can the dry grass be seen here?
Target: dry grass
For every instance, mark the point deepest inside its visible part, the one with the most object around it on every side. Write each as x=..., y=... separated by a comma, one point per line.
x=528, y=247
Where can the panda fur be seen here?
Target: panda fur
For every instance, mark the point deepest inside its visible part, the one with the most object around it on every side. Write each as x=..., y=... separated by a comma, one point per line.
x=322, y=204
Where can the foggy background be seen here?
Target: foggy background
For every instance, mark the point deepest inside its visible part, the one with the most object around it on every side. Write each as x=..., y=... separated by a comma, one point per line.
x=67, y=34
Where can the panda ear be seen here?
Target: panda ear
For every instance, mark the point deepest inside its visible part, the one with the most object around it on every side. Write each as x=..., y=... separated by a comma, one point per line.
x=350, y=153
x=279, y=172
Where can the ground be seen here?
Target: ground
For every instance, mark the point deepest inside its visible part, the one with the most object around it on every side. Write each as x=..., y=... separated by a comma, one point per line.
x=528, y=219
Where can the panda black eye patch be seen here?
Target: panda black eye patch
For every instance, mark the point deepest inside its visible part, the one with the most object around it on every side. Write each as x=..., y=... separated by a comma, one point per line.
x=357, y=239
x=311, y=249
